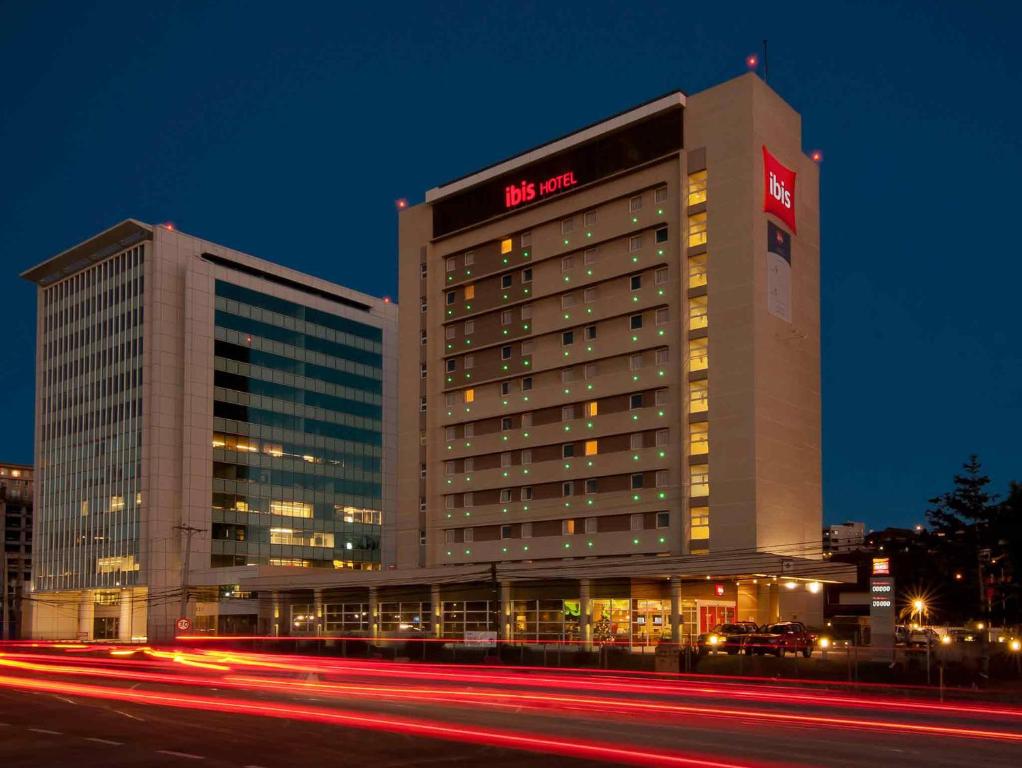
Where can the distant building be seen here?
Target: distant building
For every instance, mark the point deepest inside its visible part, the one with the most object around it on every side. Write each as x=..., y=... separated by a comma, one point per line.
x=844, y=537
x=16, y=514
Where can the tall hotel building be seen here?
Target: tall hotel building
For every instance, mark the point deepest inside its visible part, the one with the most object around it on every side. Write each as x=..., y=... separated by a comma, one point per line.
x=610, y=372
x=202, y=416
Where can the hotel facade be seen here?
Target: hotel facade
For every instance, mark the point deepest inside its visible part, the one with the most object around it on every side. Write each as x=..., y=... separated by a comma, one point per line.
x=609, y=391
x=201, y=416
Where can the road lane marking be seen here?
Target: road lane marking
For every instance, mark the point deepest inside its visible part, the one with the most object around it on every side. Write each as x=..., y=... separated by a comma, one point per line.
x=104, y=741
x=46, y=731
x=133, y=717
x=186, y=755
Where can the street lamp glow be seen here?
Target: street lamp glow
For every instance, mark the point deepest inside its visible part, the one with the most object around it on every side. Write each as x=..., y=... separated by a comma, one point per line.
x=918, y=606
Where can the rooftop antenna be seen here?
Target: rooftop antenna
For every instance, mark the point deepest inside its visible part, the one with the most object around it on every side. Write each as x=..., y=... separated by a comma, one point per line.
x=766, y=63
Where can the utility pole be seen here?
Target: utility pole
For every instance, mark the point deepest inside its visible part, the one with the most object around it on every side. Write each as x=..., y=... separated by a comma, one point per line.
x=6, y=597
x=188, y=531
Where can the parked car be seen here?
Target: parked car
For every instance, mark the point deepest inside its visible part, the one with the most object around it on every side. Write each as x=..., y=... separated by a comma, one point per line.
x=781, y=638
x=922, y=637
x=729, y=638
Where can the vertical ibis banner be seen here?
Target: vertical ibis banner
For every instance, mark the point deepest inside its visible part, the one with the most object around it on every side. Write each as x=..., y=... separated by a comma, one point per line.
x=778, y=272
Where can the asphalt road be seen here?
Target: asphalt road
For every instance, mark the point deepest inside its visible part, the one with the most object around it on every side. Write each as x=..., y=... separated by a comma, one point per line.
x=86, y=707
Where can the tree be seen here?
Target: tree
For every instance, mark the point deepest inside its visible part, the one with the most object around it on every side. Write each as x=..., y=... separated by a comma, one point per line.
x=1008, y=529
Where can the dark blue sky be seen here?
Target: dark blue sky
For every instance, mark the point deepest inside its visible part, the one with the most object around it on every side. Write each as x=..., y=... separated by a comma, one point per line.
x=288, y=130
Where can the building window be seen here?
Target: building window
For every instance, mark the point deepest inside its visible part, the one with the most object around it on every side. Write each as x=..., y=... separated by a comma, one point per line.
x=635, y=282
x=452, y=365
x=505, y=388
x=568, y=488
x=467, y=499
x=698, y=396
x=506, y=245
x=505, y=352
x=450, y=264
x=567, y=450
x=422, y=405
x=505, y=281
x=469, y=535
x=663, y=519
x=660, y=397
x=505, y=532
x=697, y=312
x=470, y=395
x=700, y=518
x=422, y=337
x=526, y=383
x=567, y=412
x=635, y=401
x=470, y=292
x=469, y=362
x=636, y=441
x=470, y=464
x=635, y=362
x=526, y=456
x=422, y=471
x=505, y=423
x=698, y=438
x=422, y=304
x=697, y=183
x=590, y=332
x=662, y=316
x=662, y=437
x=470, y=327
x=589, y=218
x=660, y=276
x=567, y=226
x=450, y=332
x=662, y=356
x=592, y=525
x=637, y=481
x=697, y=230
x=661, y=478
x=635, y=322
x=505, y=317
x=505, y=459
x=527, y=527
x=470, y=430
x=635, y=204
x=567, y=527
x=451, y=433
x=634, y=243
x=635, y=522
x=527, y=347
x=699, y=480
x=505, y=495
x=589, y=295
x=589, y=256
x=592, y=486
x=526, y=275
x=567, y=263
x=526, y=239
x=422, y=371
x=526, y=311
x=697, y=271
x=422, y=269
x=449, y=467
x=661, y=235
x=470, y=258
x=592, y=447
x=567, y=375
x=526, y=495
x=592, y=408
x=698, y=355
x=590, y=370
x=567, y=338
x=568, y=300
x=660, y=195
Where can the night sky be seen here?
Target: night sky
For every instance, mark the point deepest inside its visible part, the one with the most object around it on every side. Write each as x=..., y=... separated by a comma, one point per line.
x=288, y=131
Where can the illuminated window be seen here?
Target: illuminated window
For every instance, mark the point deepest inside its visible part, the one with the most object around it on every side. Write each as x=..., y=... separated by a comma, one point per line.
x=116, y=503
x=293, y=562
x=698, y=396
x=698, y=355
x=697, y=312
x=85, y=508
x=301, y=538
x=698, y=438
x=288, y=508
x=700, y=517
x=697, y=271
x=506, y=245
x=699, y=480
x=697, y=183
x=592, y=447
x=470, y=292
x=592, y=408
x=697, y=230
x=567, y=527
x=470, y=395
x=116, y=564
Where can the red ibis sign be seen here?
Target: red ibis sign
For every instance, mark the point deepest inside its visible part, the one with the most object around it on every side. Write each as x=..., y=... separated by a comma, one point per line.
x=778, y=189
x=526, y=191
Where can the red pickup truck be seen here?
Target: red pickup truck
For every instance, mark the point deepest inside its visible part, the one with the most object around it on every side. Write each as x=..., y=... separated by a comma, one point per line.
x=781, y=638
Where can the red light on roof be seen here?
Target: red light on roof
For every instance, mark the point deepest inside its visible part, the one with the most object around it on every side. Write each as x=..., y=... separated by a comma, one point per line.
x=386, y=299
x=401, y=203
x=168, y=225
x=752, y=61
x=816, y=156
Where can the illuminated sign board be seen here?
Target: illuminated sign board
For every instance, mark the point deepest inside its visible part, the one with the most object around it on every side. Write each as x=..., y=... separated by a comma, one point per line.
x=778, y=190
x=881, y=566
x=545, y=179
x=527, y=191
